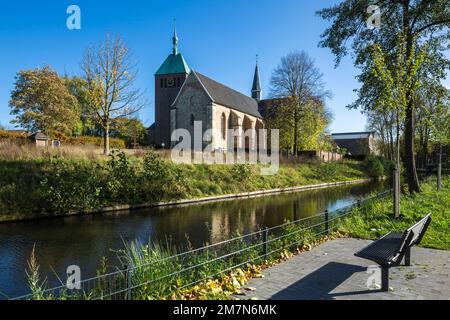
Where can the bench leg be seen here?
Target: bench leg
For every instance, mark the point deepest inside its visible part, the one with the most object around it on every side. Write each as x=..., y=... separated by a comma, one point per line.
x=408, y=257
x=384, y=279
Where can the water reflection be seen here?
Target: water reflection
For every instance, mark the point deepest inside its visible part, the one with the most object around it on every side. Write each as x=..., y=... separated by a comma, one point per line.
x=84, y=240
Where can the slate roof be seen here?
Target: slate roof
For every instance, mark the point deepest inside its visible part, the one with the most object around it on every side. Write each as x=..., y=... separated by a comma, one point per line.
x=256, y=83
x=39, y=136
x=352, y=135
x=228, y=97
x=174, y=64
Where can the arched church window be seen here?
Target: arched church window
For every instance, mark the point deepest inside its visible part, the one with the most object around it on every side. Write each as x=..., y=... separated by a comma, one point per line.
x=224, y=126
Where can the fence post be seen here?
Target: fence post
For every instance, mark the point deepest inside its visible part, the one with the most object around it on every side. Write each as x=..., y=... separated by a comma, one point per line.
x=327, y=222
x=265, y=243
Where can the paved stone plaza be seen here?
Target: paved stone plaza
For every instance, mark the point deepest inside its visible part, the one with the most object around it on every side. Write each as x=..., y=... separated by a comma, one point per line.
x=331, y=271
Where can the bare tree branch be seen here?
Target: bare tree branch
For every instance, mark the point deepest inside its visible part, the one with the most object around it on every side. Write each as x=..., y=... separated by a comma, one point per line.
x=110, y=75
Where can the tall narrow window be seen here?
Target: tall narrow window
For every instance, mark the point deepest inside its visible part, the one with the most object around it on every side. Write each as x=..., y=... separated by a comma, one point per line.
x=224, y=126
x=162, y=83
x=192, y=119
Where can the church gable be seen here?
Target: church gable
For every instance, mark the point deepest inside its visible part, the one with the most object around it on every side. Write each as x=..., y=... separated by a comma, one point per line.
x=192, y=104
x=192, y=89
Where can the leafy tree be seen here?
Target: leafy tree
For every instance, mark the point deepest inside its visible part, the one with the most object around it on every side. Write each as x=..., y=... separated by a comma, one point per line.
x=131, y=130
x=440, y=126
x=312, y=124
x=78, y=87
x=300, y=83
x=415, y=20
x=383, y=122
x=427, y=99
x=314, y=120
x=397, y=78
x=110, y=75
x=41, y=102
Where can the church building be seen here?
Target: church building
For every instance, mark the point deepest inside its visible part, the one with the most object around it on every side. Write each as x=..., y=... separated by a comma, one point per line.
x=184, y=96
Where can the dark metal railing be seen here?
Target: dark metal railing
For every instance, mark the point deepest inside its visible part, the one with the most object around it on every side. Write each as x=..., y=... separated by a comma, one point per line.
x=202, y=264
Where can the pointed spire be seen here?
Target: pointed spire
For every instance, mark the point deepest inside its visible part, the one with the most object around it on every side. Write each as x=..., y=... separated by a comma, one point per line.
x=256, y=88
x=175, y=38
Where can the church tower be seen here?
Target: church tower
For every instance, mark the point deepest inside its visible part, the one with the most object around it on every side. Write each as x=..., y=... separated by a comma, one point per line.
x=256, y=88
x=168, y=81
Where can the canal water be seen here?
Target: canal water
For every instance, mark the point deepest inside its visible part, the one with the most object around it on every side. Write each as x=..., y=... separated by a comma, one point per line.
x=84, y=240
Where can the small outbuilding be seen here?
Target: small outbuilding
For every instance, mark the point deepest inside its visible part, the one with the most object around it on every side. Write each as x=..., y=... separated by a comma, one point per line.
x=40, y=139
x=358, y=144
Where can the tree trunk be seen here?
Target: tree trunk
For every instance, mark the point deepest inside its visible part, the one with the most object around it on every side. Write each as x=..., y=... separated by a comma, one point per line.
x=396, y=194
x=439, y=170
x=295, y=132
x=391, y=146
x=397, y=173
x=410, y=161
x=106, y=140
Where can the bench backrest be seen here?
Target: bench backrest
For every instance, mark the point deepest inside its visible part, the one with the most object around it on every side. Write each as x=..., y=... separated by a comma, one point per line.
x=419, y=229
x=406, y=242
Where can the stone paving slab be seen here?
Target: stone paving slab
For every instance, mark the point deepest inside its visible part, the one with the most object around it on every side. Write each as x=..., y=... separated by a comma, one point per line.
x=331, y=271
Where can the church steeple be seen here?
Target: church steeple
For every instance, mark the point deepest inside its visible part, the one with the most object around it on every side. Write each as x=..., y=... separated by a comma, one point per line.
x=175, y=39
x=175, y=63
x=256, y=88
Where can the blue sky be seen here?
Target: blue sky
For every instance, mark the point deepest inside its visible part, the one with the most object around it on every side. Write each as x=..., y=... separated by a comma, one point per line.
x=219, y=38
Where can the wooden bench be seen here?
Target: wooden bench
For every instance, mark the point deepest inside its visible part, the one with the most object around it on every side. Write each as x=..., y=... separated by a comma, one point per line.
x=390, y=250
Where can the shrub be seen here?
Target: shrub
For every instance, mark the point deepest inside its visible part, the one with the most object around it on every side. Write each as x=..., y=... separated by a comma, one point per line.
x=374, y=167
x=327, y=169
x=13, y=137
x=71, y=186
x=94, y=141
x=122, y=185
x=388, y=165
x=155, y=176
x=162, y=181
x=242, y=172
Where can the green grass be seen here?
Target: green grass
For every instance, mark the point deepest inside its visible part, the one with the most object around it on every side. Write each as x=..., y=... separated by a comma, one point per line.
x=54, y=185
x=376, y=219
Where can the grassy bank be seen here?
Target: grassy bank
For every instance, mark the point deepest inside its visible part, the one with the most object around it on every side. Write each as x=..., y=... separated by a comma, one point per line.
x=376, y=219
x=55, y=185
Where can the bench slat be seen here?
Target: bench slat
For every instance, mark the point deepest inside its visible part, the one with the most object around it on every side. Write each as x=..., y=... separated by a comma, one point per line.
x=384, y=250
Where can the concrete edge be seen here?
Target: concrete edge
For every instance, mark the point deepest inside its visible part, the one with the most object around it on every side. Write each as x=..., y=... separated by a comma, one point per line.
x=184, y=202
x=258, y=193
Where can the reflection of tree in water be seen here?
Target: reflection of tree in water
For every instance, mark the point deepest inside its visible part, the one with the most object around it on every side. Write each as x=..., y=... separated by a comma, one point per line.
x=213, y=222
x=84, y=240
